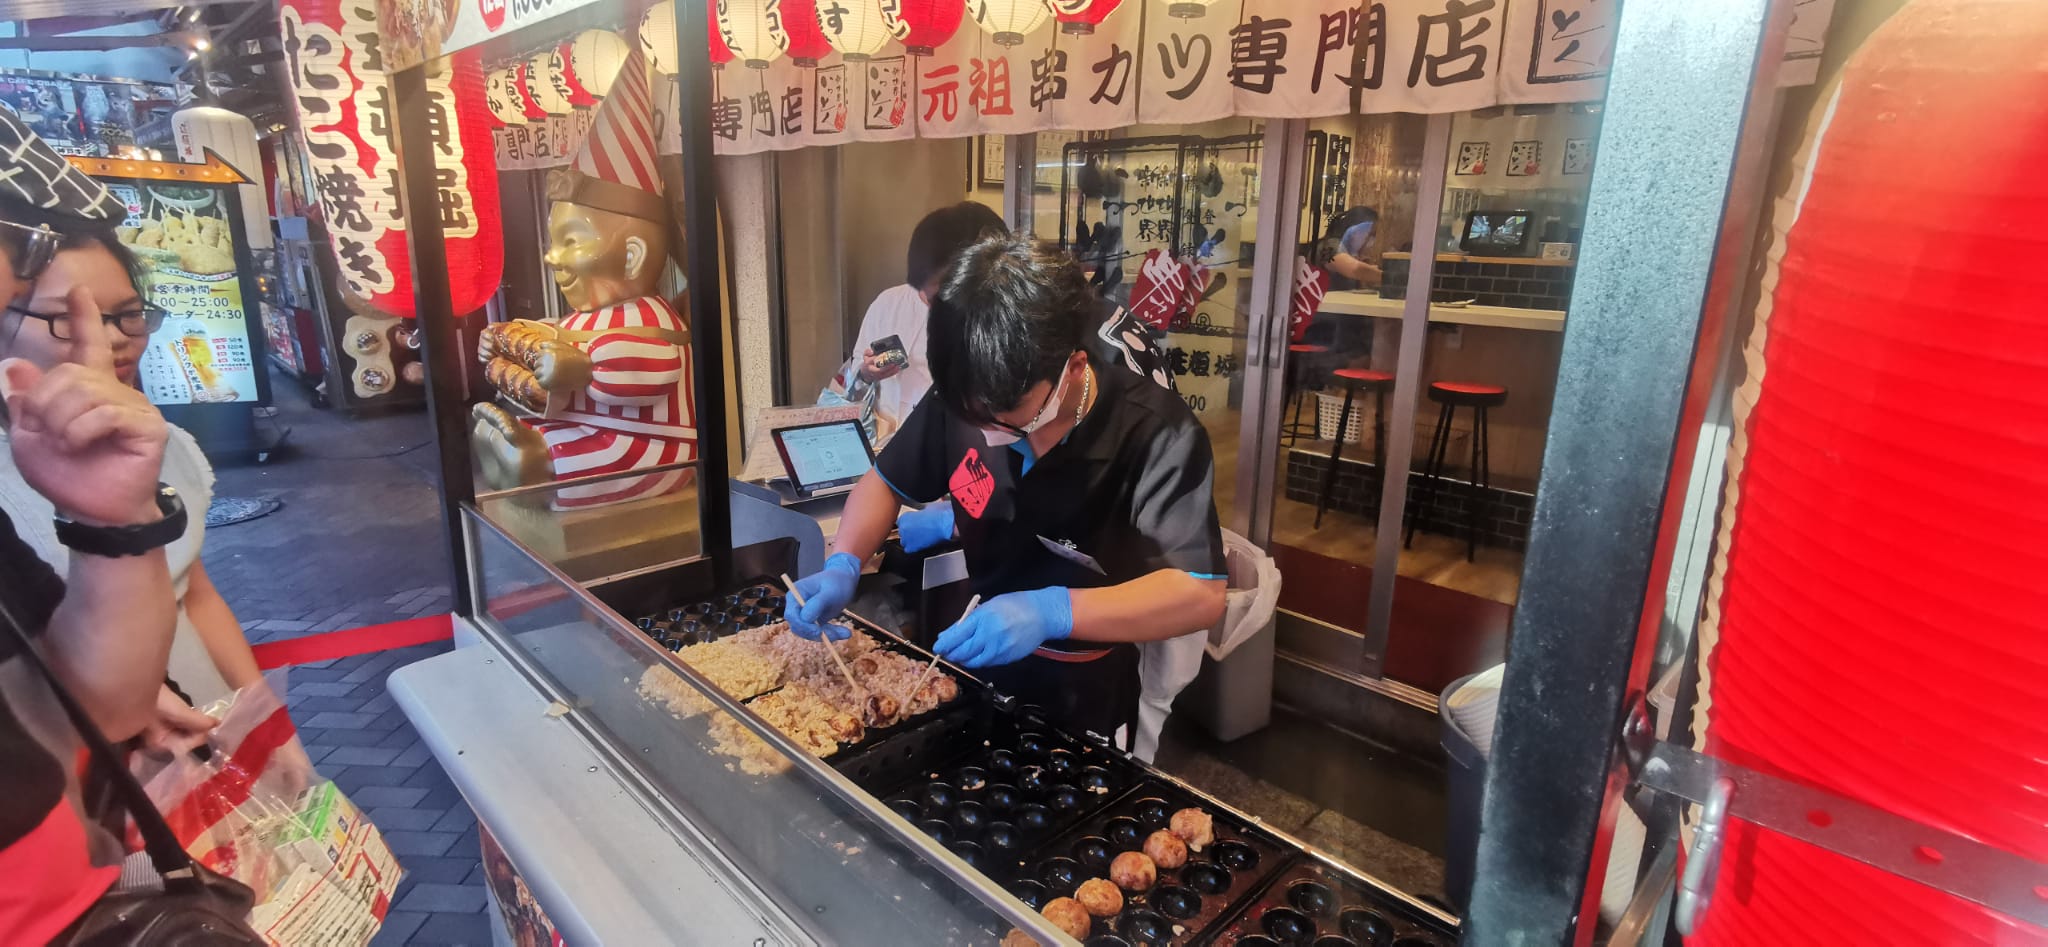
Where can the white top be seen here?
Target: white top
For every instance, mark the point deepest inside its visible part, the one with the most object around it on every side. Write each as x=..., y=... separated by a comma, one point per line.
x=186, y=470
x=898, y=311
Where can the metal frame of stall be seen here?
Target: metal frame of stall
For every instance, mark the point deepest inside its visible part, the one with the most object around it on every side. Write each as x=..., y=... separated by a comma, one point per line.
x=1630, y=471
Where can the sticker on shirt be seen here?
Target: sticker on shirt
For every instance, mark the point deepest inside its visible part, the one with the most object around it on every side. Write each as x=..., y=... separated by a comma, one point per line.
x=972, y=484
x=1068, y=551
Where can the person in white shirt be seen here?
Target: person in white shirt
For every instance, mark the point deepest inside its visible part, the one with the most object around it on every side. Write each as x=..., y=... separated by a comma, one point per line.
x=901, y=310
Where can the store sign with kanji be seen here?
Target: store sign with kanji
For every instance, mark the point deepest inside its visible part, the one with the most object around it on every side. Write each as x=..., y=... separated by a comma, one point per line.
x=338, y=76
x=996, y=67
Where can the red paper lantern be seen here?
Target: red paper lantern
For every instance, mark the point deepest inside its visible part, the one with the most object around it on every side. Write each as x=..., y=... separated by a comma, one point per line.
x=341, y=107
x=922, y=26
x=1882, y=625
x=522, y=84
x=720, y=53
x=807, y=42
x=1081, y=17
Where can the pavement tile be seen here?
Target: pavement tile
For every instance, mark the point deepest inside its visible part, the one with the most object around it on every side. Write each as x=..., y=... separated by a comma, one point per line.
x=403, y=738
x=435, y=869
x=435, y=898
x=307, y=706
x=363, y=756
x=321, y=688
x=286, y=626
x=354, y=737
x=443, y=798
x=458, y=819
x=314, y=754
x=380, y=704
x=405, y=843
x=332, y=671
x=371, y=797
x=390, y=819
x=334, y=720
x=429, y=778
x=398, y=929
x=472, y=929
x=413, y=756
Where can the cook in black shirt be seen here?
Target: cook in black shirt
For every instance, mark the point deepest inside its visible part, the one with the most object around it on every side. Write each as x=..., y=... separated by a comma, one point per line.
x=1081, y=490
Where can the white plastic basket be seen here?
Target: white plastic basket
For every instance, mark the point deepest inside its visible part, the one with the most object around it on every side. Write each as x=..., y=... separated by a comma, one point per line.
x=1329, y=407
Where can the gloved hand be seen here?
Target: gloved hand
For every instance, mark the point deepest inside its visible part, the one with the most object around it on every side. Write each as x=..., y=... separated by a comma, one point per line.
x=1008, y=627
x=925, y=528
x=826, y=593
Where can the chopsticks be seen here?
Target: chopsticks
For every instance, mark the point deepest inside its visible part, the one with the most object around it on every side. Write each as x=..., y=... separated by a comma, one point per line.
x=825, y=640
x=904, y=701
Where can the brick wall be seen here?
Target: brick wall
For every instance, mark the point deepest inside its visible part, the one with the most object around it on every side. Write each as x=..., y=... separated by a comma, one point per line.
x=1504, y=519
x=1515, y=285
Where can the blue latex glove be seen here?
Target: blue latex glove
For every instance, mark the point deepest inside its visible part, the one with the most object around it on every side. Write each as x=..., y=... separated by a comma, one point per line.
x=826, y=593
x=1008, y=627
x=922, y=529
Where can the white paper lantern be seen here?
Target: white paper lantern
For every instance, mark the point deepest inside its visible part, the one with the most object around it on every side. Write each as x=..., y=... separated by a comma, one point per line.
x=854, y=27
x=595, y=57
x=501, y=95
x=544, y=81
x=1009, y=21
x=658, y=37
x=752, y=29
x=1189, y=9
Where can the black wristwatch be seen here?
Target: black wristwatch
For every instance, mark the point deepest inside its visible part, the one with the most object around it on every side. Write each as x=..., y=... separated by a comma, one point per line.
x=116, y=541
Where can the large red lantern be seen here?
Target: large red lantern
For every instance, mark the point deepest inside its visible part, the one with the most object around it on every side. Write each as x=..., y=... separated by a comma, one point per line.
x=922, y=26
x=1881, y=626
x=522, y=86
x=344, y=112
x=1081, y=17
x=807, y=42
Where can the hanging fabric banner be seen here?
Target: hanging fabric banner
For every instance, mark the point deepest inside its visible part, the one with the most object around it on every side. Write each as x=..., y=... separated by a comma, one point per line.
x=1183, y=62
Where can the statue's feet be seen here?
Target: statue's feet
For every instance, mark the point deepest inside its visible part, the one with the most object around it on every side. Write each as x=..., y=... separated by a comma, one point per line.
x=510, y=453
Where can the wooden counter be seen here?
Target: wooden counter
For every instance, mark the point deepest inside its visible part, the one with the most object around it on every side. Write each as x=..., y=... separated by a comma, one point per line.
x=1357, y=302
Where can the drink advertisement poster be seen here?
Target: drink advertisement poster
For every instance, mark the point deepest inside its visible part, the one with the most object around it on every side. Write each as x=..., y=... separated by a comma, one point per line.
x=189, y=239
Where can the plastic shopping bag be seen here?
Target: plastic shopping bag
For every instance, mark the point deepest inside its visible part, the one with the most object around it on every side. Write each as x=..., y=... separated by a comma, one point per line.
x=255, y=811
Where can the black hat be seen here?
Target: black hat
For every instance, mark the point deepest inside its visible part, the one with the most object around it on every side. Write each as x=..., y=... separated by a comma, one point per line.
x=33, y=173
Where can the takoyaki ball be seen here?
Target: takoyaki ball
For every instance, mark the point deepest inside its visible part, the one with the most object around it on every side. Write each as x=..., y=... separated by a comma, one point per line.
x=1068, y=915
x=1100, y=897
x=1194, y=827
x=1133, y=871
x=867, y=665
x=1166, y=850
x=879, y=710
x=1017, y=938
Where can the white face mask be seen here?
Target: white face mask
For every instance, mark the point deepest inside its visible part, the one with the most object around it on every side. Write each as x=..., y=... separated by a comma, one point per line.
x=1002, y=436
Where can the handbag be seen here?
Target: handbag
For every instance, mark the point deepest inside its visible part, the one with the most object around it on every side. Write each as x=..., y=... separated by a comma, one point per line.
x=196, y=905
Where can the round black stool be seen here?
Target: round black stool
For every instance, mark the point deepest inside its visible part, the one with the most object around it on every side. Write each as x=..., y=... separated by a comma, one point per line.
x=1353, y=381
x=1298, y=356
x=1452, y=395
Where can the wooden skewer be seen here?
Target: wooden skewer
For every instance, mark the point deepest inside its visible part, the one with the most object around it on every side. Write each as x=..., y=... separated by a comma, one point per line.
x=825, y=639
x=904, y=701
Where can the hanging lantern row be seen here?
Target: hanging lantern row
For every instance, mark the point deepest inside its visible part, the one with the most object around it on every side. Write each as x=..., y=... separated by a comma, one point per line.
x=758, y=32
x=752, y=29
x=658, y=39
x=577, y=74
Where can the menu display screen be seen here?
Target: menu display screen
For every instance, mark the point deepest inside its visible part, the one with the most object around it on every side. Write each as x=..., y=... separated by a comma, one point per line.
x=185, y=236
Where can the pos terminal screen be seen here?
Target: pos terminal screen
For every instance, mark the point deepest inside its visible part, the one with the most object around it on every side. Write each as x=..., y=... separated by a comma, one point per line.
x=824, y=456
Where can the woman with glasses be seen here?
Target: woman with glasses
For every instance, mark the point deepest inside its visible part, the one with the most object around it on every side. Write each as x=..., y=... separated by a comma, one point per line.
x=210, y=655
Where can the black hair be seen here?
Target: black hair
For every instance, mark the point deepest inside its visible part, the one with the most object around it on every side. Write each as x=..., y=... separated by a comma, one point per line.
x=73, y=234
x=1008, y=314
x=945, y=232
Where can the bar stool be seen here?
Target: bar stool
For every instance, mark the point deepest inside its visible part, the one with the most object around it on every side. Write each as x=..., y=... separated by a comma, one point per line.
x=1452, y=395
x=1353, y=380
x=1298, y=354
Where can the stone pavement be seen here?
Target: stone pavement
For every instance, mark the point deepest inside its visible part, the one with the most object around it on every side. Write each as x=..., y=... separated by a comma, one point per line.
x=358, y=542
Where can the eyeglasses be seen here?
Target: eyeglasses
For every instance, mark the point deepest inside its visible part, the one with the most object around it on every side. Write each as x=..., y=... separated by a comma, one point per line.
x=37, y=250
x=134, y=323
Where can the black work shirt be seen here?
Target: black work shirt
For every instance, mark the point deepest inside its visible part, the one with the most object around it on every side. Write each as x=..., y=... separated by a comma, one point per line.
x=1128, y=492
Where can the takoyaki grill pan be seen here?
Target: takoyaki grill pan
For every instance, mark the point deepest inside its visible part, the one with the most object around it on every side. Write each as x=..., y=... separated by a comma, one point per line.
x=1184, y=903
x=1315, y=905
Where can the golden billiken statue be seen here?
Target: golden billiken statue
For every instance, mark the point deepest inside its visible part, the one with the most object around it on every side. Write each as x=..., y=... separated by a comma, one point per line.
x=612, y=381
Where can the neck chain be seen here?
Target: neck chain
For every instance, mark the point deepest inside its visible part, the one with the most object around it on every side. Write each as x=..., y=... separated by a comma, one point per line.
x=1087, y=393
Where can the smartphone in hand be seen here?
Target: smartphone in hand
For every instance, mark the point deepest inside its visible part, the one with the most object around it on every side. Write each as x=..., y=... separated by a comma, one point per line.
x=888, y=351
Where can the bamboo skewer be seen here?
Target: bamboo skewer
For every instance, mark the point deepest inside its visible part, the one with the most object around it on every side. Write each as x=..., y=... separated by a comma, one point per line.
x=904, y=701
x=826, y=640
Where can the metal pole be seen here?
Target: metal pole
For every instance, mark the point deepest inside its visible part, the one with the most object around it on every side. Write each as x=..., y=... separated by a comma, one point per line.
x=1265, y=357
x=1399, y=452
x=441, y=331
x=1680, y=132
x=1020, y=180
x=707, y=305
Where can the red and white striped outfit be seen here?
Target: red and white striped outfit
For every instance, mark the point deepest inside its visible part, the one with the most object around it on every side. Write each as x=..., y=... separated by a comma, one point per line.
x=637, y=413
